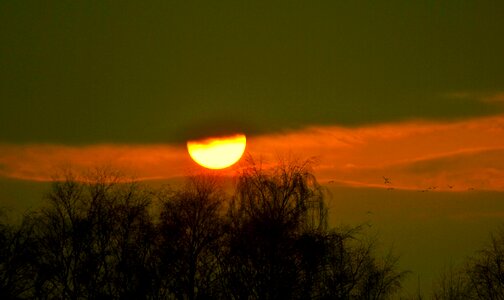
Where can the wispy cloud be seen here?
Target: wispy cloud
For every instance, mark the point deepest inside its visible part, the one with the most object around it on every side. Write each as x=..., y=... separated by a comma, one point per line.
x=496, y=97
x=42, y=162
x=415, y=155
x=430, y=156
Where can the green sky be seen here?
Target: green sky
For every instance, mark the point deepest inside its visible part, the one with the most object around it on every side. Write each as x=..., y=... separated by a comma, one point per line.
x=83, y=72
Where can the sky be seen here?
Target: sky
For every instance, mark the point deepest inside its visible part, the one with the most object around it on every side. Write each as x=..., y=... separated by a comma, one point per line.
x=87, y=72
x=408, y=90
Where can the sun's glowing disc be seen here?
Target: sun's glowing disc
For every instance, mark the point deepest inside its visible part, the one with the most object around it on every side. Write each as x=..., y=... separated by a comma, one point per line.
x=217, y=153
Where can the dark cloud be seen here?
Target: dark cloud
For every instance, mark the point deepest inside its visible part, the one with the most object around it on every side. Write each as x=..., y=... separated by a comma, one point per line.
x=161, y=71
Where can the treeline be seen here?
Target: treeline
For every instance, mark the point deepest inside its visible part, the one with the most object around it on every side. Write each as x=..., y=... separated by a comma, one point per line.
x=480, y=277
x=103, y=237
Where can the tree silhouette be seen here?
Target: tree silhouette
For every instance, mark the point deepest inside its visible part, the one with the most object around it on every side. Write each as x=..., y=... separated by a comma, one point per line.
x=486, y=271
x=191, y=230
x=482, y=277
x=270, y=210
x=17, y=259
x=94, y=239
x=453, y=285
x=280, y=246
x=104, y=236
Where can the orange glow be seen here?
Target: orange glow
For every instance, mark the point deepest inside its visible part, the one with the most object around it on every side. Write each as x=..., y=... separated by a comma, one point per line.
x=217, y=153
x=464, y=155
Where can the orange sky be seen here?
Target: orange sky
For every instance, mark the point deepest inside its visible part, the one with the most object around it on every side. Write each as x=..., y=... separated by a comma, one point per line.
x=459, y=155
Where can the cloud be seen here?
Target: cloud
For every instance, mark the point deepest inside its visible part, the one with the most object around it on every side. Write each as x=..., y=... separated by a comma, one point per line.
x=481, y=169
x=494, y=98
x=415, y=155
x=485, y=97
x=42, y=162
x=454, y=156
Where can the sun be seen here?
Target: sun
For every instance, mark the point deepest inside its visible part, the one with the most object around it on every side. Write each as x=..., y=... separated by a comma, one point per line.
x=217, y=152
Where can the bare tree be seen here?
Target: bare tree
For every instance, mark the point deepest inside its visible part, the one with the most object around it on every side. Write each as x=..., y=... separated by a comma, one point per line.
x=191, y=231
x=287, y=193
x=94, y=238
x=17, y=259
x=486, y=270
x=482, y=277
x=343, y=265
x=281, y=248
x=454, y=284
x=269, y=210
x=99, y=237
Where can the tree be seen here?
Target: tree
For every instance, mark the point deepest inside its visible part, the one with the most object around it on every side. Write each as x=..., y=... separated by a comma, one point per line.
x=280, y=247
x=482, y=277
x=341, y=264
x=288, y=193
x=17, y=259
x=191, y=230
x=453, y=284
x=94, y=239
x=486, y=270
x=269, y=211
x=99, y=237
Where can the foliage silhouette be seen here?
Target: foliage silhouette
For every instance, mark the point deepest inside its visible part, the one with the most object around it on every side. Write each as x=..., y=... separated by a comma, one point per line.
x=103, y=236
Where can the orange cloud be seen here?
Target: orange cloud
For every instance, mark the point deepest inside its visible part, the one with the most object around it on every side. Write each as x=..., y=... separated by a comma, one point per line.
x=456, y=156
x=415, y=155
x=496, y=97
x=42, y=162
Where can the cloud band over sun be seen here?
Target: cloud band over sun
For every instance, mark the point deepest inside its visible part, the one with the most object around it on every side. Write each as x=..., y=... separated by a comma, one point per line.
x=460, y=155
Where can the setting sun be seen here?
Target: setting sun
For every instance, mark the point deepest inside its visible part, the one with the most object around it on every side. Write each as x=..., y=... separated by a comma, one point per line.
x=219, y=152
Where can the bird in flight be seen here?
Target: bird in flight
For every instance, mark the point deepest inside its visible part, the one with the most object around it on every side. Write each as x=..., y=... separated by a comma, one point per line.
x=386, y=180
